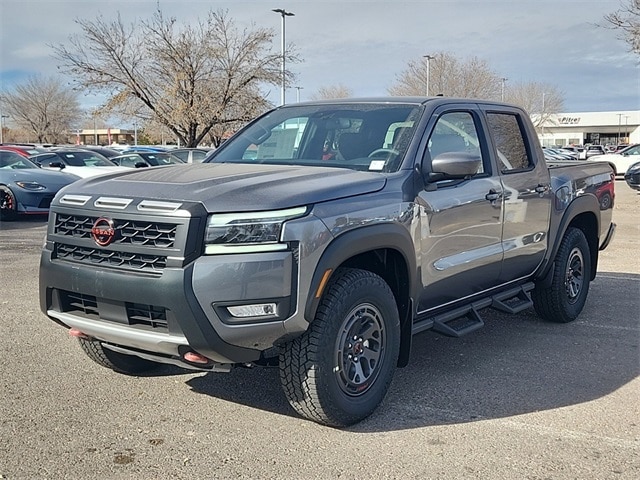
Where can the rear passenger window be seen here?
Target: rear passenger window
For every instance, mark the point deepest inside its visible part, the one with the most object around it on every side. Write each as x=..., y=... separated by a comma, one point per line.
x=509, y=141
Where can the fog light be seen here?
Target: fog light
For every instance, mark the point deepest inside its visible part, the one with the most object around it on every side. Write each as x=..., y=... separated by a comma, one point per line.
x=258, y=310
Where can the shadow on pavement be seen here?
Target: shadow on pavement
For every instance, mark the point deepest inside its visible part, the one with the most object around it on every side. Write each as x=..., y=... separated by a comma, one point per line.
x=515, y=365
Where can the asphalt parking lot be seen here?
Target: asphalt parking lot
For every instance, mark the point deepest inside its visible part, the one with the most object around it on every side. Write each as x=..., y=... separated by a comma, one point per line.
x=520, y=399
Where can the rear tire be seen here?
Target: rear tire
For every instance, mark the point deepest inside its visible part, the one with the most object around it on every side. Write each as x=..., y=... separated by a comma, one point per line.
x=118, y=362
x=8, y=205
x=563, y=301
x=340, y=369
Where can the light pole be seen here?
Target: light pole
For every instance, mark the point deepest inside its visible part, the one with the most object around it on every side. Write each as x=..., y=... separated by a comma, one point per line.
x=95, y=128
x=135, y=133
x=542, y=117
x=298, y=94
x=429, y=58
x=619, y=123
x=2, y=117
x=283, y=13
x=626, y=128
x=503, y=79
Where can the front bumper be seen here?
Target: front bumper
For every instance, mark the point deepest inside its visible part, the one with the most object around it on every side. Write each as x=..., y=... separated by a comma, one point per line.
x=179, y=310
x=33, y=202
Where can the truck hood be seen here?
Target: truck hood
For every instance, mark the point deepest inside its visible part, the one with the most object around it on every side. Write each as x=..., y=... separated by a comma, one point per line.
x=226, y=187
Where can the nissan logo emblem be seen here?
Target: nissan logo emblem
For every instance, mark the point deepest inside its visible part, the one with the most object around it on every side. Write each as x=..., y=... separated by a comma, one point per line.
x=103, y=231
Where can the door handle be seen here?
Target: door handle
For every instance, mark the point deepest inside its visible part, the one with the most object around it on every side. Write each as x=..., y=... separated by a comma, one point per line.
x=542, y=188
x=493, y=195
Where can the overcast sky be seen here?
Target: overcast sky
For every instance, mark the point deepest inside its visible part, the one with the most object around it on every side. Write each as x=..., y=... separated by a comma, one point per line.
x=364, y=45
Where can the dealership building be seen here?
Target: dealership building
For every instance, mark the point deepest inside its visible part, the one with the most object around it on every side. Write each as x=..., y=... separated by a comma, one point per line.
x=603, y=128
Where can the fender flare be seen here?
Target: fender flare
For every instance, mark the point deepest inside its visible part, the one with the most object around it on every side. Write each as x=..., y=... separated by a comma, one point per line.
x=585, y=204
x=358, y=241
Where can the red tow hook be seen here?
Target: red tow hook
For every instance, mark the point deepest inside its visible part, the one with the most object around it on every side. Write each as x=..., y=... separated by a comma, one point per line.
x=74, y=332
x=194, y=357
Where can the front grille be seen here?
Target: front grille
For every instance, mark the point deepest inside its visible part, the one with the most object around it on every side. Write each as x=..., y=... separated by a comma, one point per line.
x=139, y=243
x=96, y=256
x=128, y=232
x=88, y=306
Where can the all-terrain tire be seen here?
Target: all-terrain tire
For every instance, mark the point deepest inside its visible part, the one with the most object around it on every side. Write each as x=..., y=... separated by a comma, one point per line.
x=118, y=362
x=339, y=370
x=563, y=301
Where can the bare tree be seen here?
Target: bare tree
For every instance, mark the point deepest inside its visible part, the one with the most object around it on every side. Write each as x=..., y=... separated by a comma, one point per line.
x=188, y=79
x=627, y=19
x=446, y=75
x=540, y=100
x=332, y=91
x=43, y=106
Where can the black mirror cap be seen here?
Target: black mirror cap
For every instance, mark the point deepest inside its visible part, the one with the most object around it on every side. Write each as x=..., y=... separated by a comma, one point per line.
x=454, y=165
x=59, y=165
x=141, y=165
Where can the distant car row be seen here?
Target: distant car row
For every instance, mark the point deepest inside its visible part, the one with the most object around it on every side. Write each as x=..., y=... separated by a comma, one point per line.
x=620, y=161
x=31, y=176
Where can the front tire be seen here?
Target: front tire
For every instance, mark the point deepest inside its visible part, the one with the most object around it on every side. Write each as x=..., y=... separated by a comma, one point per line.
x=338, y=372
x=563, y=301
x=118, y=362
x=8, y=205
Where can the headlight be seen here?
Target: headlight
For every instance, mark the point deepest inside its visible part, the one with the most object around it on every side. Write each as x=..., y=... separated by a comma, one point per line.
x=248, y=232
x=31, y=186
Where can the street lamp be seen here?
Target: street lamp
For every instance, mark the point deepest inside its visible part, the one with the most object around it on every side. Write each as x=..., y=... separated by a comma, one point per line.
x=95, y=128
x=542, y=117
x=619, y=122
x=2, y=117
x=429, y=58
x=626, y=128
x=283, y=13
x=298, y=93
x=503, y=79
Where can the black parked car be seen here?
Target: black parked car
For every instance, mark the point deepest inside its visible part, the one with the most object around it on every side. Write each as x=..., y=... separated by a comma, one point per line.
x=104, y=151
x=633, y=176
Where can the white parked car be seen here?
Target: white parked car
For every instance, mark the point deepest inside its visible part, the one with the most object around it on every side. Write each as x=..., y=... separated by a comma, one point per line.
x=621, y=161
x=83, y=163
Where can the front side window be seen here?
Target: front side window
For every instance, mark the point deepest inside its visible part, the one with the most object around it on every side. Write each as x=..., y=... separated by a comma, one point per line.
x=373, y=137
x=455, y=132
x=509, y=142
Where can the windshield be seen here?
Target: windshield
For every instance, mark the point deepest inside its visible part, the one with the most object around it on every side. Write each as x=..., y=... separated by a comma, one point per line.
x=85, y=159
x=11, y=160
x=365, y=136
x=161, y=158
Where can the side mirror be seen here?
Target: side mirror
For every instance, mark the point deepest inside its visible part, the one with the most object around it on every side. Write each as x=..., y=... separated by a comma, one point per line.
x=59, y=165
x=453, y=165
x=141, y=165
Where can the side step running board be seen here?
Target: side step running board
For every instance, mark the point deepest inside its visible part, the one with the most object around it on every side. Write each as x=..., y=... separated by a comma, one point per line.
x=467, y=318
x=454, y=324
x=511, y=302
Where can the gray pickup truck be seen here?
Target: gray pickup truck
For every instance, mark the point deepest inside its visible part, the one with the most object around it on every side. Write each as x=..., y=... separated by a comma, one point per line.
x=320, y=238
